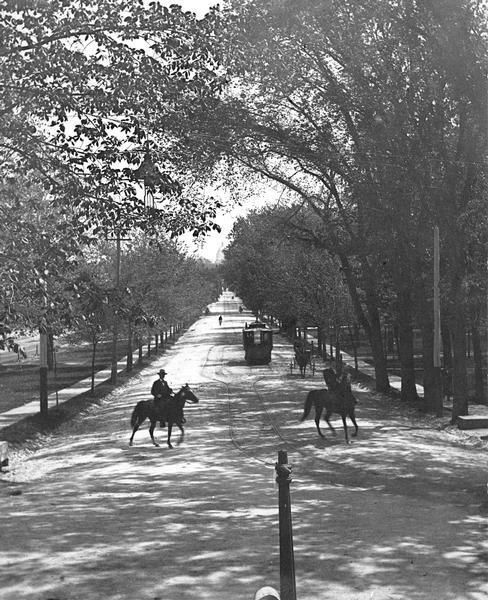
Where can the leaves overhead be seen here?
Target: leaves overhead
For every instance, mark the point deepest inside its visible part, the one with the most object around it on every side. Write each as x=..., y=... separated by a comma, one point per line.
x=88, y=89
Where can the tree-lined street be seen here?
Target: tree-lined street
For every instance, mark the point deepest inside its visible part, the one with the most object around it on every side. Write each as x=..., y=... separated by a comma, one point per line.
x=349, y=141
x=399, y=513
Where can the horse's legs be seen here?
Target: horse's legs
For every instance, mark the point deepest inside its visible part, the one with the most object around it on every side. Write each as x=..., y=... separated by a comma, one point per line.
x=136, y=427
x=327, y=415
x=170, y=429
x=355, y=425
x=151, y=432
x=318, y=413
x=345, y=429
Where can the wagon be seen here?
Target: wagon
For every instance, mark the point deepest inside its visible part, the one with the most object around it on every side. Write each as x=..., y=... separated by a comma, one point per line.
x=258, y=342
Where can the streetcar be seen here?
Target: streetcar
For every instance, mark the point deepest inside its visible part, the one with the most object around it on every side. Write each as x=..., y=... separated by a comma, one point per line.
x=257, y=340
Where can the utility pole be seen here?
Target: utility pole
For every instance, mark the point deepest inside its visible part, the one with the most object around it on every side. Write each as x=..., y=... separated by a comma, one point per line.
x=437, y=403
x=115, y=331
x=43, y=383
x=43, y=371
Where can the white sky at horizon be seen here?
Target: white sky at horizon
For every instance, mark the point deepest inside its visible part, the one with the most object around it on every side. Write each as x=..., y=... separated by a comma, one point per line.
x=199, y=7
x=212, y=245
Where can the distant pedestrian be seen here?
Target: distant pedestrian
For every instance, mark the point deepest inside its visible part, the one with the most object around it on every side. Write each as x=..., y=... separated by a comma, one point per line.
x=220, y=320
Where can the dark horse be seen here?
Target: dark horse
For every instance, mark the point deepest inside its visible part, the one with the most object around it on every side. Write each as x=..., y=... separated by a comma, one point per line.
x=338, y=399
x=172, y=413
x=302, y=357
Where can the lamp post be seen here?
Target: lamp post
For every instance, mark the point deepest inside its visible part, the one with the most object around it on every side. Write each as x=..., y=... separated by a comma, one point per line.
x=115, y=330
x=43, y=349
x=150, y=175
x=437, y=400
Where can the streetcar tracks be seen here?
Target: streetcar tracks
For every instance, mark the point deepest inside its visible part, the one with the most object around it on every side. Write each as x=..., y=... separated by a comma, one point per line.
x=253, y=430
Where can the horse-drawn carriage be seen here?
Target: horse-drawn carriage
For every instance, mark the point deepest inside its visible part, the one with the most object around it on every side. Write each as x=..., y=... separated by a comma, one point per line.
x=303, y=356
x=258, y=342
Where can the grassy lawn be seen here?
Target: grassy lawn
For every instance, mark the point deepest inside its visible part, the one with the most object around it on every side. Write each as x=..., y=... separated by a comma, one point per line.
x=19, y=384
x=19, y=380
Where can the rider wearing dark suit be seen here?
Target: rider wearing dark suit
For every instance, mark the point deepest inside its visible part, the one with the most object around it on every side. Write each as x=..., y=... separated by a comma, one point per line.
x=161, y=391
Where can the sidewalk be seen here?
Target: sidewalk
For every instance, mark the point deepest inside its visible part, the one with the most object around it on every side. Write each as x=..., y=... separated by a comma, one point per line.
x=477, y=411
x=367, y=369
x=14, y=415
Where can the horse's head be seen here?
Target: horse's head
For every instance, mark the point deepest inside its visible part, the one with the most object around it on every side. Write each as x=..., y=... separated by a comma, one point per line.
x=187, y=395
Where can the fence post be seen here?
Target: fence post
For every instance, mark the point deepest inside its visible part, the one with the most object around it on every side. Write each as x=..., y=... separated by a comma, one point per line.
x=287, y=560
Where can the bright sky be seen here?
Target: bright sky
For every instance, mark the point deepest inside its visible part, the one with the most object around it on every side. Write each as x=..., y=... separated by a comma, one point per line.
x=199, y=7
x=213, y=244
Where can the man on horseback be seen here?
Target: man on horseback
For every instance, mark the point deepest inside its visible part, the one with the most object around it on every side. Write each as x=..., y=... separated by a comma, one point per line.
x=162, y=393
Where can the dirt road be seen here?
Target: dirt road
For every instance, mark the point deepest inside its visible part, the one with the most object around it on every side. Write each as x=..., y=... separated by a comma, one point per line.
x=399, y=513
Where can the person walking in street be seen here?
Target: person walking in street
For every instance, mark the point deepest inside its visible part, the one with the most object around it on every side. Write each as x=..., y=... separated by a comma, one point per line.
x=220, y=320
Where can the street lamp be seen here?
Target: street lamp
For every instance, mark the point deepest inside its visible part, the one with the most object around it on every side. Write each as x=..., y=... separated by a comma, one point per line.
x=150, y=175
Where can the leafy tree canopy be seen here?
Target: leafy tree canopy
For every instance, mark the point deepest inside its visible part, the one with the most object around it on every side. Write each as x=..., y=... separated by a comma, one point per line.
x=88, y=92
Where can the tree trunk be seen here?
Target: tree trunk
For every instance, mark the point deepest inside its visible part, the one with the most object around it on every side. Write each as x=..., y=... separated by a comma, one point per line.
x=433, y=392
x=139, y=343
x=93, y=364
x=338, y=353
x=446, y=344
x=405, y=335
x=130, y=359
x=479, y=380
x=429, y=380
x=376, y=341
x=369, y=321
x=320, y=341
x=50, y=351
x=459, y=374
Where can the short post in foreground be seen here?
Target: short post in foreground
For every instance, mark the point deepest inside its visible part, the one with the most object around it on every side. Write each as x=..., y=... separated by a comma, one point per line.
x=287, y=560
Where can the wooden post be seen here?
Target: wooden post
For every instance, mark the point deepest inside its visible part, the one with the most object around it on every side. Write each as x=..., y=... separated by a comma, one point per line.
x=43, y=373
x=437, y=400
x=115, y=331
x=287, y=560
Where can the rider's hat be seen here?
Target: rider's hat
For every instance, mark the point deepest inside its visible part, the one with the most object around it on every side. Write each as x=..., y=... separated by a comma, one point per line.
x=162, y=372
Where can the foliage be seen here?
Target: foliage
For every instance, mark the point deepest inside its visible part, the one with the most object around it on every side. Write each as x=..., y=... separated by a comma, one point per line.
x=88, y=91
x=159, y=285
x=374, y=114
x=274, y=272
x=38, y=247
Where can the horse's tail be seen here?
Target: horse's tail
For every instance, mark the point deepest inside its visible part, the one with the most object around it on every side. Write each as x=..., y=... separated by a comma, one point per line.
x=137, y=413
x=307, y=406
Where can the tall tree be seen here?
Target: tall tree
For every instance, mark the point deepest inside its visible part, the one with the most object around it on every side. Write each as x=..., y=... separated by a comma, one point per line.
x=87, y=90
x=373, y=113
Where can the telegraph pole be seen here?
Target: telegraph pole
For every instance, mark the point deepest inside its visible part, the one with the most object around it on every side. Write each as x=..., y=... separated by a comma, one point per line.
x=43, y=371
x=438, y=398
x=43, y=383
x=115, y=331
